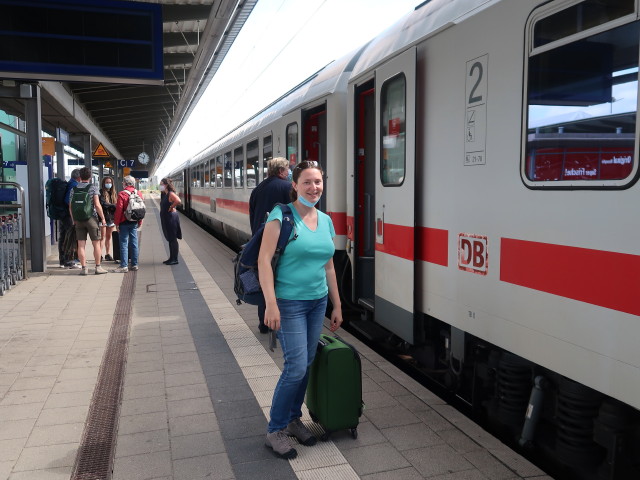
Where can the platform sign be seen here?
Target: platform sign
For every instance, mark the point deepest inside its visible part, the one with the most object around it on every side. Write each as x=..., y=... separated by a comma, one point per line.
x=62, y=136
x=475, y=118
x=101, y=152
x=48, y=146
x=122, y=163
x=138, y=174
x=87, y=40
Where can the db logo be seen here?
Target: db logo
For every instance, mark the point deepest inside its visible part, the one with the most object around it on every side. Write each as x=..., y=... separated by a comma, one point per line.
x=472, y=253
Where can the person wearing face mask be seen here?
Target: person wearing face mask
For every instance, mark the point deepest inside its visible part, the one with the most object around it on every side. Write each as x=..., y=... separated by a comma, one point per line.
x=108, y=200
x=170, y=219
x=273, y=189
x=296, y=301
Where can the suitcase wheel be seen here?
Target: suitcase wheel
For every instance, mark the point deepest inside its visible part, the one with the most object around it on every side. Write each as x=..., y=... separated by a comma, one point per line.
x=354, y=433
x=325, y=436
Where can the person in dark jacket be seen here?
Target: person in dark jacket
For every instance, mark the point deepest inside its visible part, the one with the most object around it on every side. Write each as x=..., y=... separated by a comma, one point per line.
x=274, y=189
x=170, y=219
x=66, y=225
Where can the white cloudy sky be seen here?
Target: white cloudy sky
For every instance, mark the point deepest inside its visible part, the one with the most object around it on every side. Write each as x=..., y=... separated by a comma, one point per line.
x=282, y=43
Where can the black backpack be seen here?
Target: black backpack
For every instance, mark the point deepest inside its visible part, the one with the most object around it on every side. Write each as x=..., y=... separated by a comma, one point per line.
x=56, y=190
x=246, y=282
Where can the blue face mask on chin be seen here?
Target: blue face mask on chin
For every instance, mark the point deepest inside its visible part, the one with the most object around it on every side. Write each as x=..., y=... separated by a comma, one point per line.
x=306, y=202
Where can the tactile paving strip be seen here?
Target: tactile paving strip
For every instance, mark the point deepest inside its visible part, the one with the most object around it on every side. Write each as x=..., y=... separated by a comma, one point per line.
x=97, y=447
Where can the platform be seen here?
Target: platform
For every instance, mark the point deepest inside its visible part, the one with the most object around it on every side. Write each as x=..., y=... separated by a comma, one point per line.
x=197, y=385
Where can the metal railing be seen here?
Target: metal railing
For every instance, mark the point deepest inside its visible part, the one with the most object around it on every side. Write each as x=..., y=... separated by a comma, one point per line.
x=13, y=248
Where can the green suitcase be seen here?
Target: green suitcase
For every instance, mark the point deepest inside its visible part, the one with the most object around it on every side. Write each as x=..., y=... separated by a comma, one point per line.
x=334, y=392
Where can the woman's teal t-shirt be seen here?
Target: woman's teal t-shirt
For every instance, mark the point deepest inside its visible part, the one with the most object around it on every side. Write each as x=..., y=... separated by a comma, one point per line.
x=300, y=274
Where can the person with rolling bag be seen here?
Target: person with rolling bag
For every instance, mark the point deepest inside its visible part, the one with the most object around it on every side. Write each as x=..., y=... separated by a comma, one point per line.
x=296, y=301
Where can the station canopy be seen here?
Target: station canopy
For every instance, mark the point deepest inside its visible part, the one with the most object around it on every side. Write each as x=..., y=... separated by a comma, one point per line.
x=129, y=117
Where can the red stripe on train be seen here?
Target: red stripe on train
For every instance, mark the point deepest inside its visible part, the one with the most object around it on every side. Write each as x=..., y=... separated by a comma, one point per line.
x=433, y=246
x=339, y=220
x=398, y=241
x=606, y=279
x=233, y=205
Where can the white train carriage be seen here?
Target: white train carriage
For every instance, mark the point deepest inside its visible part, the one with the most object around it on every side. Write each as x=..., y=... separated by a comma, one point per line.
x=481, y=161
x=494, y=194
x=223, y=175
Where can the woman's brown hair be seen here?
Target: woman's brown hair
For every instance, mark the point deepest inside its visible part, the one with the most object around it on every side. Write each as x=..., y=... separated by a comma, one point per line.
x=109, y=194
x=298, y=170
x=168, y=185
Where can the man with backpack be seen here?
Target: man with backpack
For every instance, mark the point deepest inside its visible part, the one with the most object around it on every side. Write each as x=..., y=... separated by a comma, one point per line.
x=128, y=217
x=86, y=211
x=272, y=190
x=57, y=196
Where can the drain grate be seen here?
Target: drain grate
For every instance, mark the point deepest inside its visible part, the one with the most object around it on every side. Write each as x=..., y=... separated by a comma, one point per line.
x=97, y=448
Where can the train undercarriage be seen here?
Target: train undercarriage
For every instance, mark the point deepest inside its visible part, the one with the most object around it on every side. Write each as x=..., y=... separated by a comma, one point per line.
x=568, y=429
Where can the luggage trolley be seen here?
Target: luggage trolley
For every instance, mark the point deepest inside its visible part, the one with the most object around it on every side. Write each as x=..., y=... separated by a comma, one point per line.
x=13, y=250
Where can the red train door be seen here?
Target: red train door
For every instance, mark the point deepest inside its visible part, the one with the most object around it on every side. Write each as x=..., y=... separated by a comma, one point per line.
x=395, y=100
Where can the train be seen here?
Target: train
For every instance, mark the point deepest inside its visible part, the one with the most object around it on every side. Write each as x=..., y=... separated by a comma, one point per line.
x=480, y=161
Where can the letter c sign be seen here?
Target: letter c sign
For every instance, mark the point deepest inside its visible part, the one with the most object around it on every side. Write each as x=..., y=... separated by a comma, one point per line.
x=473, y=254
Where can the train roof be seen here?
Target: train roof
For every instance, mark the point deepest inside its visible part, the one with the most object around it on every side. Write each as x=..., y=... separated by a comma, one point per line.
x=426, y=20
x=324, y=82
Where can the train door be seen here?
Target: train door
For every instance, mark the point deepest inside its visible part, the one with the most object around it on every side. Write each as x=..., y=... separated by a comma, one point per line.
x=364, y=191
x=186, y=182
x=395, y=100
x=314, y=141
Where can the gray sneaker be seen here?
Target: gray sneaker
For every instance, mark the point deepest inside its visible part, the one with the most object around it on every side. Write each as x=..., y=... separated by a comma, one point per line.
x=299, y=430
x=84, y=271
x=120, y=270
x=134, y=267
x=281, y=445
x=100, y=270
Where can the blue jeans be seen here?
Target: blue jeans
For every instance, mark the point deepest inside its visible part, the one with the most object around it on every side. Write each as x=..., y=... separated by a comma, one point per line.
x=128, y=230
x=300, y=327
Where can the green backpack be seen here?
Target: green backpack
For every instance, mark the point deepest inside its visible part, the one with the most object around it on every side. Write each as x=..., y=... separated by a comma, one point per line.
x=81, y=203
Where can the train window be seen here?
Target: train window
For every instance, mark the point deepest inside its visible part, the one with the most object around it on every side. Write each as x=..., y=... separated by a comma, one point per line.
x=219, y=171
x=205, y=172
x=267, y=153
x=196, y=176
x=392, y=131
x=238, y=171
x=292, y=144
x=212, y=173
x=227, y=170
x=581, y=105
x=578, y=18
x=252, y=163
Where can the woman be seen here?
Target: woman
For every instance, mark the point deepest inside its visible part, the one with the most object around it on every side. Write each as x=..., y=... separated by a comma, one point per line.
x=169, y=218
x=108, y=200
x=296, y=302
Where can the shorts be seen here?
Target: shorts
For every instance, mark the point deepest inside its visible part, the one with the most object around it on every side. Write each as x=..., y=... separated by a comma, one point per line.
x=88, y=226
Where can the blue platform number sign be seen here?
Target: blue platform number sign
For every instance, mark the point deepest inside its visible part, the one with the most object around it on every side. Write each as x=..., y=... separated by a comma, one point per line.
x=122, y=163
